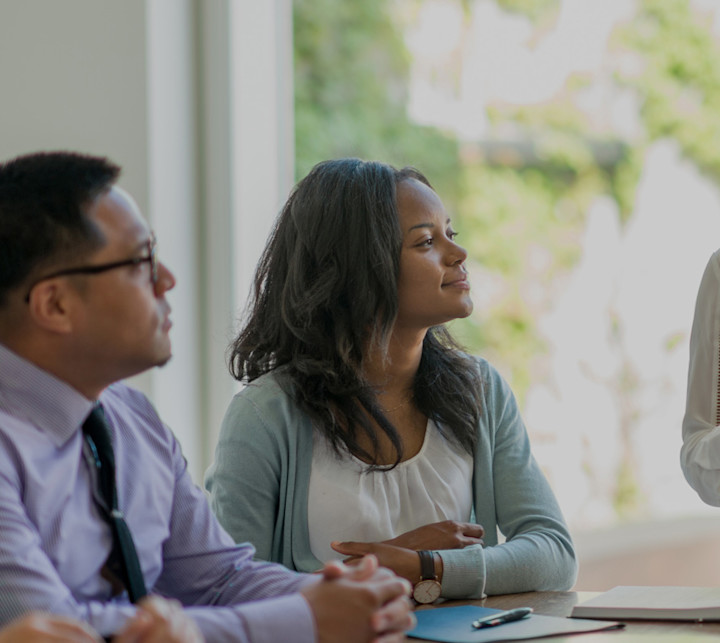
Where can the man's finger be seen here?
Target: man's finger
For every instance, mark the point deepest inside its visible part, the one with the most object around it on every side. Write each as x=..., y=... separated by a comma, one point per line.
x=333, y=569
x=363, y=568
x=391, y=588
x=394, y=615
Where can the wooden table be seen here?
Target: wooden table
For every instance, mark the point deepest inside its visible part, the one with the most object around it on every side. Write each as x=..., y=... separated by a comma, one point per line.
x=561, y=604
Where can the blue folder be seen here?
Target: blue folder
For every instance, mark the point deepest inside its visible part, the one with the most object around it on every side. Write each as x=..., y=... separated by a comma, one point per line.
x=454, y=625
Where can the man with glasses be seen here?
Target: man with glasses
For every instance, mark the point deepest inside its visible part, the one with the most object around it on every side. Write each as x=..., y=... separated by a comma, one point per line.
x=97, y=509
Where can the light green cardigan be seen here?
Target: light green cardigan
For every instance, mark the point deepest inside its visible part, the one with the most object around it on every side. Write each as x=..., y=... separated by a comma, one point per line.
x=259, y=486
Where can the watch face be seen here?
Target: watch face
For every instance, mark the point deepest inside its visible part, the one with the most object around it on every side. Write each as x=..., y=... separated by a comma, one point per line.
x=426, y=591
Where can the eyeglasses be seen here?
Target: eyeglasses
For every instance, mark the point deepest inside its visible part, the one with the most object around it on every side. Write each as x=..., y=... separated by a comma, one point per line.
x=150, y=258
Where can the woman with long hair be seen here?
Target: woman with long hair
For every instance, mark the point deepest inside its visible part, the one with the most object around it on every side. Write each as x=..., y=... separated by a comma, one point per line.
x=363, y=427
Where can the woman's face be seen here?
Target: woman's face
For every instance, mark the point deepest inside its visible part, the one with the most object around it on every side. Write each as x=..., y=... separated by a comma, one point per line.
x=432, y=285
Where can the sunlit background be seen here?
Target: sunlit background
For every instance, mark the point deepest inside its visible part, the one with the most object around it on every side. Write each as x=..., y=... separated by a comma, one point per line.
x=575, y=142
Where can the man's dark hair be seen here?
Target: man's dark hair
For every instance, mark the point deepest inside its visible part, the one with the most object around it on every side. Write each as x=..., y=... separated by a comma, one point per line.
x=43, y=203
x=326, y=290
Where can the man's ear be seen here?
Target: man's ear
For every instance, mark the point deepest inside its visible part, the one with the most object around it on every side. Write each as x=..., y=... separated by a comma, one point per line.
x=50, y=306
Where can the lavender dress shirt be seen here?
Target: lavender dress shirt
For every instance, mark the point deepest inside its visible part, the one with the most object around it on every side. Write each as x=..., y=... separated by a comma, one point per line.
x=54, y=541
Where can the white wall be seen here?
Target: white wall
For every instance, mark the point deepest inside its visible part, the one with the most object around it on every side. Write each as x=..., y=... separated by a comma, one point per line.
x=193, y=98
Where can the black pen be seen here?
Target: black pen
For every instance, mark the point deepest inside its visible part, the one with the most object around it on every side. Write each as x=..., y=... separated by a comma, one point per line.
x=502, y=617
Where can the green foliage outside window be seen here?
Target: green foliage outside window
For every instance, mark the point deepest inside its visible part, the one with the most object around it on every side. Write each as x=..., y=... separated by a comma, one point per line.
x=679, y=78
x=351, y=79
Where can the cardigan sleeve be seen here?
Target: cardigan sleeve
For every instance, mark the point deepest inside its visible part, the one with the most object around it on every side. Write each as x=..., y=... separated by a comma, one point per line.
x=538, y=553
x=245, y=477
x=700, y=453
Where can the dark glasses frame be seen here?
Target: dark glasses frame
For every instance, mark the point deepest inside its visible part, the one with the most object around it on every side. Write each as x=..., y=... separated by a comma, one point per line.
x=151, y=258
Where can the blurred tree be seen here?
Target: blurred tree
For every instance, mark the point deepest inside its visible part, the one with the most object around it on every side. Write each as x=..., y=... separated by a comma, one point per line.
x=677, y=78
x=536, y=10
x=351, y=80
x=522, y=210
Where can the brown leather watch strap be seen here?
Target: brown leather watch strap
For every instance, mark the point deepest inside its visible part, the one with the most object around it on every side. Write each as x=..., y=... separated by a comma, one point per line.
x=427, y=565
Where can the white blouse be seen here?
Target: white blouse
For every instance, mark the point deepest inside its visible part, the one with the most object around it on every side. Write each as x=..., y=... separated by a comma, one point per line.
x=348, y=503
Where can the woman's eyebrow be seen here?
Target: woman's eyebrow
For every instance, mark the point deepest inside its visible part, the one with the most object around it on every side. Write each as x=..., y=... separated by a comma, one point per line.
x=425, y=225
x=421, y=225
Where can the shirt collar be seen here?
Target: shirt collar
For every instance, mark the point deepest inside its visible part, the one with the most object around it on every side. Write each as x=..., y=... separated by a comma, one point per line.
x=45, y=401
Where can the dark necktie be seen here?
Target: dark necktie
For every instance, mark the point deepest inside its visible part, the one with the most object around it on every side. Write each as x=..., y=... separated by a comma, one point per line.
x=123, y=560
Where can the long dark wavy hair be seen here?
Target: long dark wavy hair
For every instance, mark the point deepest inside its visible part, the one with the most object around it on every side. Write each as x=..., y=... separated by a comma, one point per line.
x=325, y=291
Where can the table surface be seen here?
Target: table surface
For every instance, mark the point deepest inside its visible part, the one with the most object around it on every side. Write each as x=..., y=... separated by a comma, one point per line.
x=561, y=604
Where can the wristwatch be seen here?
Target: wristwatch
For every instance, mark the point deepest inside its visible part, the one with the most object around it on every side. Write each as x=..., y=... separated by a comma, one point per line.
x=427, y=589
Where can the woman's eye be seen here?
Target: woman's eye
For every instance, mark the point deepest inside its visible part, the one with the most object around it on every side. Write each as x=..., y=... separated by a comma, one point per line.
x=451, y=234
